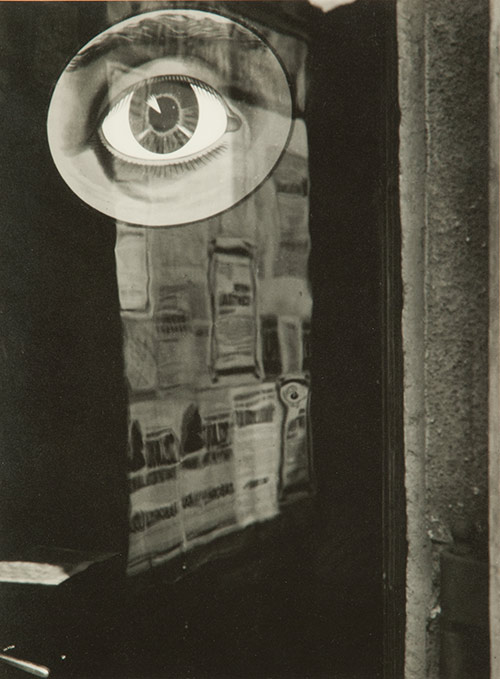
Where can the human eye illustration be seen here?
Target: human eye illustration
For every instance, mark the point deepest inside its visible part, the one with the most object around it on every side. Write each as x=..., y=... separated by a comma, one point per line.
x=168, y=122
x=169, y=117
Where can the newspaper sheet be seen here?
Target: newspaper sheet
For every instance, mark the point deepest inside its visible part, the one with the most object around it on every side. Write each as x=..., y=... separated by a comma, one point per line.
x=256, y=447
x=154, y=463
x=132, y=269
x=208, y=470
x=235, y=342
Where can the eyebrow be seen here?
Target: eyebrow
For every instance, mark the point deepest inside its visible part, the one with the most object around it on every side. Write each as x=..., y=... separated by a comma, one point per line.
x=158, y=31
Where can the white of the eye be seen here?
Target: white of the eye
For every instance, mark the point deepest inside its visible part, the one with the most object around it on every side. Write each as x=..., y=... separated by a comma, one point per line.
x=212, y=123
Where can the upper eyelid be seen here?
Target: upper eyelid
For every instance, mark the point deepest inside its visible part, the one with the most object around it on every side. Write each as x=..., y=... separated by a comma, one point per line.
x=107, y=96
x=104, y=102
x=146, y=33
x=109, y=105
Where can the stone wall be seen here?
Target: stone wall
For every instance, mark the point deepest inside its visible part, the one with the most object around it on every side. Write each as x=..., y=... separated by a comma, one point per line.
x=443, y=48
x=494, y=394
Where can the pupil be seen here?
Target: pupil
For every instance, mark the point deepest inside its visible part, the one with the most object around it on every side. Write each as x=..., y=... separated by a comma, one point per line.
x=167, y=118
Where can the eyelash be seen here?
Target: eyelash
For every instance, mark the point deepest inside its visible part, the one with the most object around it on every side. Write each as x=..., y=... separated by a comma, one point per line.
x=173, y=169
x=137, y=85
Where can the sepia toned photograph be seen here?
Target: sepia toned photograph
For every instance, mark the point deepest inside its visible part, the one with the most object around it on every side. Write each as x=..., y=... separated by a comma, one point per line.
x=249, y=339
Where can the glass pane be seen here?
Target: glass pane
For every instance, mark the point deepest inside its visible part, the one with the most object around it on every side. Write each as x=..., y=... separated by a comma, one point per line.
x=187, y=128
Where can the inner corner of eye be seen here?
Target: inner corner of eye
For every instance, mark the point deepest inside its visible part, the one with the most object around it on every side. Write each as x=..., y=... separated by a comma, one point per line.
x=234, y=122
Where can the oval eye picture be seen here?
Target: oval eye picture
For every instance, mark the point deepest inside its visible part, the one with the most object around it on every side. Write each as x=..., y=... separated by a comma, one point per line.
x=169, y=117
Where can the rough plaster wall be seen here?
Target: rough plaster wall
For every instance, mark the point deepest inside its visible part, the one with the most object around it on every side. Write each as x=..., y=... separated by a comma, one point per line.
x=456, y=273
x=494, y=393
x=446, y=350
x=456, y=280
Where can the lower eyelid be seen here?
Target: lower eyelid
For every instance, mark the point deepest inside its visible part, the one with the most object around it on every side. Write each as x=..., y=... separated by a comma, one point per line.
x=130, y=169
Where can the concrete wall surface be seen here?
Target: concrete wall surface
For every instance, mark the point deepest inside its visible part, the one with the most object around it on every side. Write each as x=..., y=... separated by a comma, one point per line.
x=443, y=80
x=494, y=394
